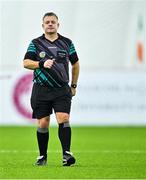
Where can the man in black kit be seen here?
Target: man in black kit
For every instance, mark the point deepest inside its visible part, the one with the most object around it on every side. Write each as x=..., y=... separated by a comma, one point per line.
x=49, y=56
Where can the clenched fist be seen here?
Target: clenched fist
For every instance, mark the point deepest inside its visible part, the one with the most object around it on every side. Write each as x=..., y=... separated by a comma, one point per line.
x=48, y=63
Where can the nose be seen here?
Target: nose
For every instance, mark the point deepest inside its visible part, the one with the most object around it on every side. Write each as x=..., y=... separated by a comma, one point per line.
x=50, y=23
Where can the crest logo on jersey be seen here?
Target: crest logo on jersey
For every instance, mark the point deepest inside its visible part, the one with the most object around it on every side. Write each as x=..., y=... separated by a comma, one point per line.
x=42, y=54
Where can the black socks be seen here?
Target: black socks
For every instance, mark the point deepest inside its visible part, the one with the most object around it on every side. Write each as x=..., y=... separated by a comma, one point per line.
x=43, y=137
x=64, y=133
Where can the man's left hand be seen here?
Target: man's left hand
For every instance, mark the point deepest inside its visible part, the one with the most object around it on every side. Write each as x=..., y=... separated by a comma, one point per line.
x=73, y=91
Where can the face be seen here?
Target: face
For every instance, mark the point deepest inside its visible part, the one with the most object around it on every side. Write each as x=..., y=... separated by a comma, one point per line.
x=50, y=25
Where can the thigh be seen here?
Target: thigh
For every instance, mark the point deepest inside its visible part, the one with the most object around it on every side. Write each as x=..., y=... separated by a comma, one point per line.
x=40, y=103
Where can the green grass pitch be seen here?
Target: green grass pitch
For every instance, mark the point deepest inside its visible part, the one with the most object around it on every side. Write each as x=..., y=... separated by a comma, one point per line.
x=101, y=153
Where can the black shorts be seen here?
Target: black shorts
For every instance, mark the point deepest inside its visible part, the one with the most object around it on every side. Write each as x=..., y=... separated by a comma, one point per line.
x=44, y=100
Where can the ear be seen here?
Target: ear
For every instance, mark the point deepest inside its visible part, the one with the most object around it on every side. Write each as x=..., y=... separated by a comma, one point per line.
x=58, y=25
x=42, y=25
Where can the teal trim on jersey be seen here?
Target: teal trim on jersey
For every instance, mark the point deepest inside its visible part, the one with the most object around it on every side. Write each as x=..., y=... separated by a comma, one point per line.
x=31, y=45
x=31, y=51
x=39, y=73
x=45, y=79
x=72, y=49
x=38, y=79
x=31, y=48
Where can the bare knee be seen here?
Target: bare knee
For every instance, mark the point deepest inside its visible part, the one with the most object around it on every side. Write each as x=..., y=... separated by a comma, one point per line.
x=44, y=122
x=62, y=117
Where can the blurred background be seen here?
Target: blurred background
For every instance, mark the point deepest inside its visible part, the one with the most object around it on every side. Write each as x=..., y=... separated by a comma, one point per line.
x=110, y=39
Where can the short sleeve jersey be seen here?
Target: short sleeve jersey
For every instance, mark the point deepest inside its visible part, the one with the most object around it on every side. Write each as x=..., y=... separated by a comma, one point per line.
x=62, y=50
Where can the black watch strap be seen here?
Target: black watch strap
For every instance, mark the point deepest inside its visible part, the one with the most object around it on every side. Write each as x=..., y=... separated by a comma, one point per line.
x=73, y=85
x=41, y=63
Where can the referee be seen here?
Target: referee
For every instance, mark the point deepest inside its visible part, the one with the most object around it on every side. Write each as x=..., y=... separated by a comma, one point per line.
x=49, y=56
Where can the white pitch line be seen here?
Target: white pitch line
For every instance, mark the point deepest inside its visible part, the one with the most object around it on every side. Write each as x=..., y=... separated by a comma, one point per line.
x=76, y=151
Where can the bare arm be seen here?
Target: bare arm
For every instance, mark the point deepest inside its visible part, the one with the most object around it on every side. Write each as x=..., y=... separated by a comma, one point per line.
x=75, y=75
x=30, y=64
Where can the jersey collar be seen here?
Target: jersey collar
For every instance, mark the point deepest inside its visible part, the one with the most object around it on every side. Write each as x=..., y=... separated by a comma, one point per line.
x=43, y=36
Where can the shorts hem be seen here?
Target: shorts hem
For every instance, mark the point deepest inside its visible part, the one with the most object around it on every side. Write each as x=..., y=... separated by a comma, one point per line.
x=41, y=116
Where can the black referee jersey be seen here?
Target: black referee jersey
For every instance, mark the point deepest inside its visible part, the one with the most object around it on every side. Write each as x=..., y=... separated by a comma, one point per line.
x=62, y=50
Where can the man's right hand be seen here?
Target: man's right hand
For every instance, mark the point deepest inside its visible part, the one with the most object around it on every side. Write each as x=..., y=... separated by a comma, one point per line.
x=48, y=63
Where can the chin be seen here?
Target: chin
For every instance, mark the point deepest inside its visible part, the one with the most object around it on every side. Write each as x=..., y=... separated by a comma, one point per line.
x=50, y=33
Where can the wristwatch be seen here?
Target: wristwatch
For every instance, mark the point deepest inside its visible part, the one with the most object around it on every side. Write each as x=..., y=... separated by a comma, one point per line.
x=73, y=85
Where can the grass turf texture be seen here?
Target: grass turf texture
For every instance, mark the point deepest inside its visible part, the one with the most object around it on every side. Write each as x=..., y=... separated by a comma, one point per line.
x=101, y=152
